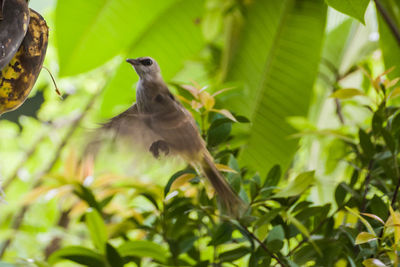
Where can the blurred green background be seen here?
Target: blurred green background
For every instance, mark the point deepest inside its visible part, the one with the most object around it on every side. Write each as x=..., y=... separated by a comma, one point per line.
x=280, y=60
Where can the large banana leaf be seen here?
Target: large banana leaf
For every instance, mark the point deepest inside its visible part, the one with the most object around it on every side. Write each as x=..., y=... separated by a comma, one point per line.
x=168, y=30
x=90, y=32
x=354, y=8
x=276, y=64
x=173, y=37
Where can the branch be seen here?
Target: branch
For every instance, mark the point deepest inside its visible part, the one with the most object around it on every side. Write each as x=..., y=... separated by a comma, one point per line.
x=55, y=243
x=264, y=247
x=339, y=112
x=396, y=191
x=389, y=21
x=366, y=184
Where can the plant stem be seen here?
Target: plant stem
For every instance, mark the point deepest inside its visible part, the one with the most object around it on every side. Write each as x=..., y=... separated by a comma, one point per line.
x=338, y=77
x=264, y=247
x=389, y=21
x=366, y=184
x=339, y=111
x=55, y=243
x=396, y=191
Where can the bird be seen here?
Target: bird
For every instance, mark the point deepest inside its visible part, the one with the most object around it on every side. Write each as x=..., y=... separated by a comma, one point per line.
x=159, y=123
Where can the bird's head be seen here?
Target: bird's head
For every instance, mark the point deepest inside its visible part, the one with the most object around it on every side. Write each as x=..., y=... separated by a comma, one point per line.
x=146, y=67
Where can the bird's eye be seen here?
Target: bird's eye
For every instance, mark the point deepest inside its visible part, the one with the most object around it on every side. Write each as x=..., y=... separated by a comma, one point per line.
x=146, y=62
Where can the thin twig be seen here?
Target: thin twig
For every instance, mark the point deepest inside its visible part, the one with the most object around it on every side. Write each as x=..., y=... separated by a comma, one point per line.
x=331, y=67
x=264, y=247
x=396, y=191
x=338, y=77
x=20, y=216
x=339, y=111
x=55, y=243
x=366, y=184
x=389, y=21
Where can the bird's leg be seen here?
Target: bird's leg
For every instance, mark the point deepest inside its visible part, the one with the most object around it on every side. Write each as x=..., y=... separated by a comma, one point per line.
x=158, y=146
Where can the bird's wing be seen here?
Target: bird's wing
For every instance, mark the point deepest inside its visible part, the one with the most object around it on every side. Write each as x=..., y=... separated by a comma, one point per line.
x=128, y=127
x=123, y=122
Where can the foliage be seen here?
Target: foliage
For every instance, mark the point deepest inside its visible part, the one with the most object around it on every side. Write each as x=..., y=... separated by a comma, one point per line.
x=297, y=102
x=275, y=80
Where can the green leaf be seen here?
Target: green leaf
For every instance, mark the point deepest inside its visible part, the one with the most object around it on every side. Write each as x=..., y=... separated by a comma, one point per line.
x=219, y=131
x=267, y=218
x=143, y=248
x=347, y=93
x=340, y=194
x=174, y=177
x=86, y=194
x=395, y=124
x=373, y=263
x=97, y=228
x=364, y=221
x=187, y=243
x=379, y=208
x=104, y=202
x=275, y=238
x=366, y=144
x=5, y=264
x=171, y=39
x=221, y=234
x=273, y=177
x=234, y=254
x=79, y=255
x=151, y=198
x=298, y=186
x=353, y=8
x=91, y=32
x=364, y=237
x=389, y=140
x=254, y=187
x=373, y=216
x=275, y=82
x=113, y=257
x=304, y=254
x=242, y=119
x=377, y=122
x=303, y=230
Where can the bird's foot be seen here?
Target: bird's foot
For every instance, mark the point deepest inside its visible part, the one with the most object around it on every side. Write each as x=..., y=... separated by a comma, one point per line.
x=159, y=146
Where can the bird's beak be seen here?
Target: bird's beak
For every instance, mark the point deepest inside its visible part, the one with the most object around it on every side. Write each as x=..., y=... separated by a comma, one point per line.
x=132, y=61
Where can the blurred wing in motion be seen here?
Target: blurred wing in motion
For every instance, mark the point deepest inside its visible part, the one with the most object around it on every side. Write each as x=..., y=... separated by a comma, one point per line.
x=129, y=128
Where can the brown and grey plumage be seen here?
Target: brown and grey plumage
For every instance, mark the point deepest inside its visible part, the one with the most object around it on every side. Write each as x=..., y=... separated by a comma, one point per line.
x=161, y=124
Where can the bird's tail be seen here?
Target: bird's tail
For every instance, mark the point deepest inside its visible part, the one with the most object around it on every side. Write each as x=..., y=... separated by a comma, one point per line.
x=230, y=200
